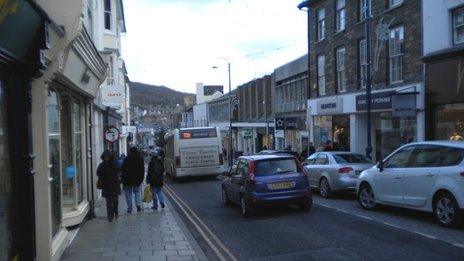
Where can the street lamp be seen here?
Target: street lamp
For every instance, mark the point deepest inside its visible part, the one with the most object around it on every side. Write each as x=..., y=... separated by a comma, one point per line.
x=229, y=157
x=304, y=6
x=367, y=14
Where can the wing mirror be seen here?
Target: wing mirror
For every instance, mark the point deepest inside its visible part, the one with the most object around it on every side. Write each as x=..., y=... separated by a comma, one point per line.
x=380, y=165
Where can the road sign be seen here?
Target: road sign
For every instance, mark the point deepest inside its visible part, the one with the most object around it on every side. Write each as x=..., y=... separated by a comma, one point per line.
x=112, y=134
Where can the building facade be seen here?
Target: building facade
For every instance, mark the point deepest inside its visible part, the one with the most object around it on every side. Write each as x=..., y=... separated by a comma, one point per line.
x=291, y=95
x=444, y=67
x=255, y=115
x=337, y=105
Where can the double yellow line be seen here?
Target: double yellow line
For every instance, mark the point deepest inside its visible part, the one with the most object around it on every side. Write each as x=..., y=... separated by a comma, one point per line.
x=221, y=251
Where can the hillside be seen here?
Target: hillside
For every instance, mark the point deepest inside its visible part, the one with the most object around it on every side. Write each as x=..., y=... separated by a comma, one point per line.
x=143, y=95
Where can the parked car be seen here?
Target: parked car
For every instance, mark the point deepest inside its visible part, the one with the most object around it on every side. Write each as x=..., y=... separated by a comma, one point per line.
x=263, y=180
x=427, y=176
x=335, y=171
x=277, y=152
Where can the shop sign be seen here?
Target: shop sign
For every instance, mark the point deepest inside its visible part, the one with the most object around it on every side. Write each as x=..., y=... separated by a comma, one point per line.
x=290, y=123
x=112, y=134
x=379, y=101
x=128, y=129
x=247, y=133
x=404, y=104
x=113, y=96
x=330, y=106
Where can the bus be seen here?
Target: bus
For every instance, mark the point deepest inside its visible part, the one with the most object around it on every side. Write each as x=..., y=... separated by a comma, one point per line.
x=193, y=152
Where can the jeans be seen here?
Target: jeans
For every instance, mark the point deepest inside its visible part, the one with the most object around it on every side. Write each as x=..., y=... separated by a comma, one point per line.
x=112, y=206
x=128, y=190
x=157, y=195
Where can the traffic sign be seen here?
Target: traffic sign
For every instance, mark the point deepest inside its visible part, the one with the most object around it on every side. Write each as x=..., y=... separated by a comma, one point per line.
x=112, y=134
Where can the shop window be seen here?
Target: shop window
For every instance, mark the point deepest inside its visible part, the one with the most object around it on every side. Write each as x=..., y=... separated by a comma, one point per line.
x=458, y=25
x=449, y=122
x=396, y=53
x=332, y=128
x=54, y=160
x=5, y=185
x=78, y=139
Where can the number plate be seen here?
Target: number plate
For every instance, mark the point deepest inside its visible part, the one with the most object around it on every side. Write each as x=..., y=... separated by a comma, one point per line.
x=280, y=185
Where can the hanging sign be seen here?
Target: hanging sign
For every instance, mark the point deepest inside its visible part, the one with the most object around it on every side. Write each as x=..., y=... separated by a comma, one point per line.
x=112, y=134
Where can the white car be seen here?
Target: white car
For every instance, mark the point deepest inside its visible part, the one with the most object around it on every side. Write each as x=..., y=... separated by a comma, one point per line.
x=426, y=176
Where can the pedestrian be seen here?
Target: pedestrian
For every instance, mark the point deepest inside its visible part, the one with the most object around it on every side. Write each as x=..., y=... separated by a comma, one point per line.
x=108, y=177
x=120, y=160
x=155, y=178
x=133, y=171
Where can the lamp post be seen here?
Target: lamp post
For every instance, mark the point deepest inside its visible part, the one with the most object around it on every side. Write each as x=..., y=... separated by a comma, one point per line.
x=367, y=32
x=229, y=157
x=304, y=6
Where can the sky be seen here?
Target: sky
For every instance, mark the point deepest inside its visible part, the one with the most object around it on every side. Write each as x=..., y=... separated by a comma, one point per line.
x=176, y=43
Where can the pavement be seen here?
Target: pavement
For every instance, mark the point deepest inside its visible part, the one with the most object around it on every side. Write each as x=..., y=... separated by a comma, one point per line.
x=148, y=235
x=324, y=233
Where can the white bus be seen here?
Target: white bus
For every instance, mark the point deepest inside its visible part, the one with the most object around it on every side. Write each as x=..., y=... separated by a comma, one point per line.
x=193, y=152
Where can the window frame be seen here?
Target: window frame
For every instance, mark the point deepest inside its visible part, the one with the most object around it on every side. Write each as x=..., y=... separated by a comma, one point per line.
x=340, y=72
x=399, y=55
x=320, y=76
x=392, y=4
x=362, y=65
x=320, y=24
x=108, y=11
x=453, y=25
x=418, y=149
x=411, y=147
x=340, y=16
x=361, y=16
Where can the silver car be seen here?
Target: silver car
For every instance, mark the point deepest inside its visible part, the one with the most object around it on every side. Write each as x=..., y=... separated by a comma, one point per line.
x=335, y=171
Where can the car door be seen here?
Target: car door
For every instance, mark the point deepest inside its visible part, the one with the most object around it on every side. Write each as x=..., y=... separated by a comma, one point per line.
x=310, y=169
x=387, y=183
x=228, y=180
x=423, y=170
x=322, y=163
x=237, y=180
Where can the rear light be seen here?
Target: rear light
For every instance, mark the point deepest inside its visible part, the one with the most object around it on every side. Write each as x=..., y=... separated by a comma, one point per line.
x=345, y=170
x=251, y=172
x=221, y=160
x=462, y=174
x=178, y=161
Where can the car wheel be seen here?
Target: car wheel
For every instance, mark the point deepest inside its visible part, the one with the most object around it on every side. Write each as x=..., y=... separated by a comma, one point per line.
x=225, y=198
x=306, y=205
x=244, y=206
x=366, y=197
x=446, y=210
x=324, y=188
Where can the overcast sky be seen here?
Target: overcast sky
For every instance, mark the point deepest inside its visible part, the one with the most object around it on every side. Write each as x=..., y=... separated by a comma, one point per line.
x=176, y=42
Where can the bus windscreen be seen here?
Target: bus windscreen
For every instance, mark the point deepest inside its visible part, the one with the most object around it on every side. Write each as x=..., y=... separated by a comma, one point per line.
x=197, y=134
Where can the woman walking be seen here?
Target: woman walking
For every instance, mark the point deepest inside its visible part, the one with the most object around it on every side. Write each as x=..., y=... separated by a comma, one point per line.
x=155, y=178
x=108, y=177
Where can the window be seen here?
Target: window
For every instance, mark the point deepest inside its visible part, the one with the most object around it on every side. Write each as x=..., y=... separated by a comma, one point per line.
x=340, y=25
x=108, y=17
x=322, y=159
x=396, y=53
x=274, y=167
x=350, y=158
x=321, y=74
x=362, y=50
x=400, y=158
x=341, y=74
x=320, y=24
x=393, y=3
x=361, y=9
x=311, y=159
x=426, y=156
x=458, y=25
x=451, y=156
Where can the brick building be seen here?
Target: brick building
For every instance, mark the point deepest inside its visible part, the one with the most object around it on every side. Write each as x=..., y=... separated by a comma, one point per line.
x=337, y=90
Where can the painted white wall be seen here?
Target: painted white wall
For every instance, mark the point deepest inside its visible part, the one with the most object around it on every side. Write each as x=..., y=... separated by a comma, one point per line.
x=201, y=98
x=437, y=24
x=200, y=115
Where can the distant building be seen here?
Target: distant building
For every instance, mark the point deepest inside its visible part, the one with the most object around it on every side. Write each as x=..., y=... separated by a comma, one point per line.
x=200, y=115
x=206, y=93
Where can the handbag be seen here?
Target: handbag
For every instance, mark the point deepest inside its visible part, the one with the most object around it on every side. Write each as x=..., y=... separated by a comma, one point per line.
x=99, y=184
x=147, y=195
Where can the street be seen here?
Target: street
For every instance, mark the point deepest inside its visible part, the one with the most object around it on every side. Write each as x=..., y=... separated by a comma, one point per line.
x=330, y=231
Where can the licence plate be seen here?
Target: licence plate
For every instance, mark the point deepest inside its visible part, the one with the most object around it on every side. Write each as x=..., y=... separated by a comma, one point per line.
x=280, y=185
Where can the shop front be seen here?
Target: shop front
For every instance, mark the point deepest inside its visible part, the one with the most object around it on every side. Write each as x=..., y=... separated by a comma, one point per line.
x=290, y=132
x=397, y=118
x=445, y=96
x=23, y=37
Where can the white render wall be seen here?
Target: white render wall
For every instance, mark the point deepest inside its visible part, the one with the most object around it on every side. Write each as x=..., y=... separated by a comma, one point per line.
x=200, y=115
x=437, y=24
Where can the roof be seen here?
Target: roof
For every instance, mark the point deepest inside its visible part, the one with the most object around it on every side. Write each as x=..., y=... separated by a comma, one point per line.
x=450, y=143
x=267, y=156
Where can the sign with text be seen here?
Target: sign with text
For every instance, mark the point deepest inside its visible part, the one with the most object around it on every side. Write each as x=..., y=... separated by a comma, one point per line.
x=404, y=104
x=330, y=106
x=112, y=134
x=199, y=156
x=288, y=123
x=113, y=96
x=379, y=101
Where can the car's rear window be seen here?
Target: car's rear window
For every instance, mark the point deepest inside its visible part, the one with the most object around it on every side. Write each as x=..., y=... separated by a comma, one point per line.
x=351, y=158
x=275, y=166
x=451, y=157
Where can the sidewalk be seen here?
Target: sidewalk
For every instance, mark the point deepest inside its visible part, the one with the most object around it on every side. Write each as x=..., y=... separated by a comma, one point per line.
x=148, y=235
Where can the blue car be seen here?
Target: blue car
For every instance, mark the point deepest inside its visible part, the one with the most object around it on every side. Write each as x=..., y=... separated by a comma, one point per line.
x=263, y=180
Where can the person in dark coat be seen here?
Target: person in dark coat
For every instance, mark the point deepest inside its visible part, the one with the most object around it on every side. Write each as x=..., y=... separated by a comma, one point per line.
x=107, y=173
x=155, y=178
x=133, y=171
